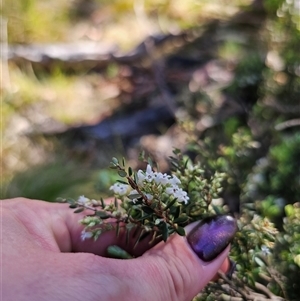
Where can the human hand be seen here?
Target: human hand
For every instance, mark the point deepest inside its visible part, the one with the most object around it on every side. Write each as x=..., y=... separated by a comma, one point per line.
x=44, y=259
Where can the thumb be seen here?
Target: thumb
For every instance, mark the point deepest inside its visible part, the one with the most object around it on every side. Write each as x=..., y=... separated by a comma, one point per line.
x=180, y=268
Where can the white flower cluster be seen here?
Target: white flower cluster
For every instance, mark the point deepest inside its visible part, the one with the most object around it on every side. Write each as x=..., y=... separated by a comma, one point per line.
x=120, y=189
x=169, y=182
x=83, y=201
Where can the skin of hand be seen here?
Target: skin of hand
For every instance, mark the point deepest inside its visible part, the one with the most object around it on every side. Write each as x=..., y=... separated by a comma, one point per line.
x=43, y=258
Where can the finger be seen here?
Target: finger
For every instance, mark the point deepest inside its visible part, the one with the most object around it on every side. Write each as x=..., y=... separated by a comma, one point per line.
x=179, y=269
x=188, y=264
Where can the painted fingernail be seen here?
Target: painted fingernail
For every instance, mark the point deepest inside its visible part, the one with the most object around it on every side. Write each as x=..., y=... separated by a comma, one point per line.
x=212, y=235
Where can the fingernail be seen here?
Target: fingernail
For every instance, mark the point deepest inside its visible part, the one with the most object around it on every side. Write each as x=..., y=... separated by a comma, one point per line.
x=212, y=235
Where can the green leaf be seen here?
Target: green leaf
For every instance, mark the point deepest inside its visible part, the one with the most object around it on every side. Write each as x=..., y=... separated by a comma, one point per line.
x=134, y=196
x=165, y=231
x=135, y=178
x=186, y=163
x=79, y=210
x=117, y=252
x=150, y=162
x=123, y=161
x=144, y=217
x=60, y=200
x=177, y=212
x=176, y=151
x=71, y=201
x=142, y=156
x=112, y=166
x=259, y=261
x=122, y=173
x=115, y=161
x=181, y=219
x=217, y=209
x=122, y=182
x=73, y=206
x=102, y=203
x=130, y=172
x=147, y=210
x=174, y=164
x=170, y=204
x=138, y=239
x=118, y=230
x=289, y=210
x=102, y=214
x=180, y=231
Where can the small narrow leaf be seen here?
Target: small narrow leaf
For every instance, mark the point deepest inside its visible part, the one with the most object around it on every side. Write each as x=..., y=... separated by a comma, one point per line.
x=170, y=204
x=177, y=212
x=71, y=201
x=102, y=203
x=180, y=231
x=122, y=173
x=127, y=236
x=134, y=196
x=122, y=182
x=186, y=163
x=181, y=219
x=130, y=171
x=142, y=156
x=135, y=178
x=165, y=231
x=117, y=252
x=147, y=210
x=79, y=210
x=60, y=200
x=138, y=239
x=143, y=217
x=112, y=166
x=174, y=164
x=217, y=209
x=176, y=151
x=115, y=161
x=150, y=162
x=123, y=161
x=118, y=230
x=102, y=214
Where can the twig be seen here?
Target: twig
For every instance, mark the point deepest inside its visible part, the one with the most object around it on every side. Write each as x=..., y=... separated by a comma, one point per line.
x=287, y=124
x=243, y=293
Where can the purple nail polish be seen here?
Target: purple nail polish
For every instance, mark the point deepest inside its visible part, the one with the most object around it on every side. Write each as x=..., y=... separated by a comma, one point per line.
x=212, y=235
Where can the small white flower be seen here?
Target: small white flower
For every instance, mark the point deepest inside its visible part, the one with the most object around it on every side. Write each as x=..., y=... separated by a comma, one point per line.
x=182, y=196
x=178, y=193
x=141, y=177
x=85, y=235
x=149, y=175
x=160, y=178
x=82, y=200
x=172, y=190
x=265, y=250
x=174, y=180
x=119, y=188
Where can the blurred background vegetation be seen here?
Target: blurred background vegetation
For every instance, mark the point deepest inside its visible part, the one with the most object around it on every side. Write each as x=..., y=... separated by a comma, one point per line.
x=218, y=79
